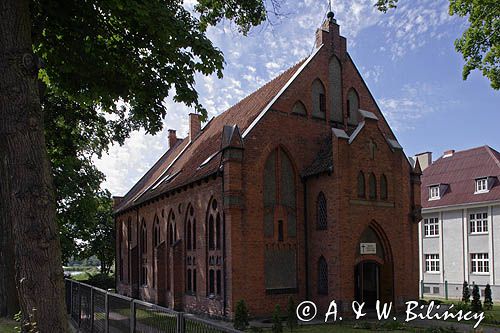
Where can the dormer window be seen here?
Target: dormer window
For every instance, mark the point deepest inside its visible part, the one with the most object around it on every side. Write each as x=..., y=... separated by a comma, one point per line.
x=482, y=185
x=434, y=192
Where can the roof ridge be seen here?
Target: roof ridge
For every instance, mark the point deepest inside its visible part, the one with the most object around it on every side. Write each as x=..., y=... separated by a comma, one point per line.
x=493, y=155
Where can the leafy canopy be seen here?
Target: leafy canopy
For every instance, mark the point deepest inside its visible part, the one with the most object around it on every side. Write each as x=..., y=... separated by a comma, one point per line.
x=109, y=65
x=480, y=42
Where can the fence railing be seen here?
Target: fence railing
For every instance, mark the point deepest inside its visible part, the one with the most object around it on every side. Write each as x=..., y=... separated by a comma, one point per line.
x=96, y=310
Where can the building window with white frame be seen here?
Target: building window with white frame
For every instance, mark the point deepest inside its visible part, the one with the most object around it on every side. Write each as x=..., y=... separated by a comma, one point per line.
x=478, y=223
x=432, y=263
x=431, y=227
x=434, y=192
x=480, y=263
x=481, y=185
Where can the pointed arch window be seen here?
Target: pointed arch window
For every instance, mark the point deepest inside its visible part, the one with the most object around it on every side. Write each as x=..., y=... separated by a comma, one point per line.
x=190, y=236
x=383, y=188
x=279, y=195
x=322, y=276
x=321, y=212
x=361, y=185
x=299, y=108
x=143, y=250
x=156, y=243
x=121, y=230
x=318, y=99
x=156, y=232
x=373, y=186
x=352, y=107
x=214, y=229
x=172, y=237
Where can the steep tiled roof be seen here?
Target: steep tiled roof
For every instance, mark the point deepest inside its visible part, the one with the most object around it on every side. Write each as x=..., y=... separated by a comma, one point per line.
x=190, y=161
x=459, y=173
x=323, y=162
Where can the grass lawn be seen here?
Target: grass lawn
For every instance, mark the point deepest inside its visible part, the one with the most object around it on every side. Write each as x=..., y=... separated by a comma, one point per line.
x=7, y=326
x=360, y=328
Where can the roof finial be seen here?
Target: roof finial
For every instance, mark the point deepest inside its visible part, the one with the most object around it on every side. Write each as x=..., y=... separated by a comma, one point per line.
x=330, y=14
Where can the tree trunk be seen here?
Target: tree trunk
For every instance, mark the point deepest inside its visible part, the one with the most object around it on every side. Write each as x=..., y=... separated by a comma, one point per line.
x=9, y=305
x=27, y=177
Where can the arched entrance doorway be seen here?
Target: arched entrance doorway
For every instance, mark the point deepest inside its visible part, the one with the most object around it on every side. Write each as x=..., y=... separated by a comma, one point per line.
x=367, y=279
x=373, y=271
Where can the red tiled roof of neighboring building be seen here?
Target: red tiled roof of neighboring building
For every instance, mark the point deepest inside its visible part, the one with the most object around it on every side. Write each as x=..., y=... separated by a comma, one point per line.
x=185, y=158
x=459, y=172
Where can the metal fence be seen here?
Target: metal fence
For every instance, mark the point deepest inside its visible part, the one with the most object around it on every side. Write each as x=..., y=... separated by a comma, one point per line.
x=96, y=310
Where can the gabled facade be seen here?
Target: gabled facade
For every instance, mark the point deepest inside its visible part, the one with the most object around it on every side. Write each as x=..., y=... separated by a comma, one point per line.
x=301, y=189
x=461, y=213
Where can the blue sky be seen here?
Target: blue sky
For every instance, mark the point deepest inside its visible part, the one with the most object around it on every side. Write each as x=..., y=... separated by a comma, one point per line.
x=406, y=57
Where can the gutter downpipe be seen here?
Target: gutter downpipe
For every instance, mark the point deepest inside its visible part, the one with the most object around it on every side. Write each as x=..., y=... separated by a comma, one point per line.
x=306, y=239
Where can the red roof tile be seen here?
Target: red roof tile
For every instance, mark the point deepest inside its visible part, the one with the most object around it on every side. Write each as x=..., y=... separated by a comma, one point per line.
x=459, y=172
x=185, y=158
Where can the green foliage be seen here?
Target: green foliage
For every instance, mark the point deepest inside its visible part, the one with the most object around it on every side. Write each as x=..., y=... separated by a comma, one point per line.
x=277, y=324
x=488, y=301
x=103, y=281
x=465, y=293
x=109, y=65
x=241, y=316
x=476, y=299
x=480, y=42
x=291, y=314
x=100, y=239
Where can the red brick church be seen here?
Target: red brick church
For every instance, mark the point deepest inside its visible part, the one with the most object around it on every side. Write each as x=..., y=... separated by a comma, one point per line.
x=301, y=189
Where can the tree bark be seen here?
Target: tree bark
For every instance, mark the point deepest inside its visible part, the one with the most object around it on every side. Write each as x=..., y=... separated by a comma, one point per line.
x=9, y=305
x=26, y=176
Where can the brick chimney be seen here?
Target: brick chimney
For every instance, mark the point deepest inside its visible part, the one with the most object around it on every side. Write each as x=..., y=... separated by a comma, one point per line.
x=194, y=125
x=172, y=138
x=424, y=159
x=448, y=153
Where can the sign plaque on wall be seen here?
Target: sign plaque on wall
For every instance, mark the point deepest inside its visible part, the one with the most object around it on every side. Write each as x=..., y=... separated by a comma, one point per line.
x=368, y=248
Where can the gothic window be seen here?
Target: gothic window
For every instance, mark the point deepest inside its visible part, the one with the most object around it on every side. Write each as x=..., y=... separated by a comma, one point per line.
x=279, y=192
x=361, y=185
x=318, y=99
x=156, y=232
x=143, y=250
x=321, y=215
x=322, y=276
x=335, y=89
x=383, y=188
x=280, y=225
x=143, y=239
x=121, y=230
x=215, y=242
x=156, y=242
x=172, y=237
x=190, y=236
x=373, y=186
x=352, y=107
x=129, y=240
x=299, y=108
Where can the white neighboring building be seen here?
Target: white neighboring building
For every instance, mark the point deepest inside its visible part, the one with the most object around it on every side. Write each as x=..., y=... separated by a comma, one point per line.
x=459, y=235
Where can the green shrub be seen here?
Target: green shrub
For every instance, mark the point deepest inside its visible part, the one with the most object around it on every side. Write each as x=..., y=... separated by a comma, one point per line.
x=476, y=299
x=465, y=293
x=277, y=325
x=291, y=315
x=488, y=301
x=241, y=316
x=102, y=281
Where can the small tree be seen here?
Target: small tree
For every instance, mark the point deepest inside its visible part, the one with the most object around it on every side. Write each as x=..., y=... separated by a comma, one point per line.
x=488, y=301
x=277, y=325
x=291, y=320
x=476, y=299
x=241, y=316
x=466, y=293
